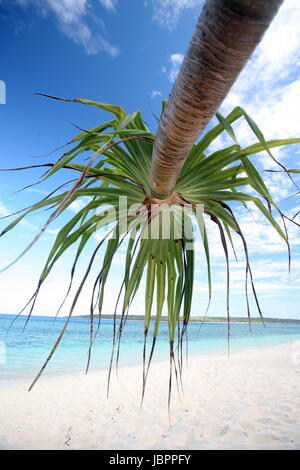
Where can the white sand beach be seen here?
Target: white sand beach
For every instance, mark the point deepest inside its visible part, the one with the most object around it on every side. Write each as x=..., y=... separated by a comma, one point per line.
x=250, y=401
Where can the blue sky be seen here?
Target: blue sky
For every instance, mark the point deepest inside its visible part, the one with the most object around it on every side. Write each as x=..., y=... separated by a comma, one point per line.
x=128, y=53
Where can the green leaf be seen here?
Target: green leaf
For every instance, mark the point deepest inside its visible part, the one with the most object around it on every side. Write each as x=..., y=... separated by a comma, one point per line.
x=227, y=126
x=116, y=110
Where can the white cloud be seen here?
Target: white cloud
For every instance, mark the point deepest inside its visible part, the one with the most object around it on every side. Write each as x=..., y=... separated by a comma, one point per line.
x=173, y=67
x=167, y=12
x=51, y=231
x=269, y=90
x=109, y=4
x=109, y=48
x=155, y=93
x=3, y=210
x=28, y=225
x=269, y=86
x=268, y=252
x=68, y=11
x=72, y=20
x=269, y=263
x=77, y=205
x=25, y=223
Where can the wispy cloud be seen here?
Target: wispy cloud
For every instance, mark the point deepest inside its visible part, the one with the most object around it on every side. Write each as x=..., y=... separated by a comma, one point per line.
x=3, y=210
x=109, y=4
x=167, y=12
x=173, y=66
x=77, y=205
x=73, y=18
x=269, y=90
x=155, y=94
x=269, y=86
x=52, y=231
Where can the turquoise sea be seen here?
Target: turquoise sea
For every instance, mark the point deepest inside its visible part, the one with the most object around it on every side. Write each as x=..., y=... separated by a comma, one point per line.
x=23, y=353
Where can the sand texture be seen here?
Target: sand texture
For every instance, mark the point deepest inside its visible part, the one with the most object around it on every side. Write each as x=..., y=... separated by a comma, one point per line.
x=250, y=401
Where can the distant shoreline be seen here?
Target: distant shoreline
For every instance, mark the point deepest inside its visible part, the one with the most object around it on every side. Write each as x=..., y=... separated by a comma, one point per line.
x=213, y=320
x=222, y=320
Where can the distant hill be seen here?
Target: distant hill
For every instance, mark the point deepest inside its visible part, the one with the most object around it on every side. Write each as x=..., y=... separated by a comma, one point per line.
x=200, y=319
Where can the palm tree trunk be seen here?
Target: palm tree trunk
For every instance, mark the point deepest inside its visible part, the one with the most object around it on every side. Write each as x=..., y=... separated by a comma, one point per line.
x=226, y=34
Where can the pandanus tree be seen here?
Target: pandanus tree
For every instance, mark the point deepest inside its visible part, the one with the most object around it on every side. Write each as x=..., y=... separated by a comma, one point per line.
x=172, y=183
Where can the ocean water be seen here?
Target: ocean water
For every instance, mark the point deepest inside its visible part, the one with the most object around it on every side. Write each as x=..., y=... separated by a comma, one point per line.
x=23, y=353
